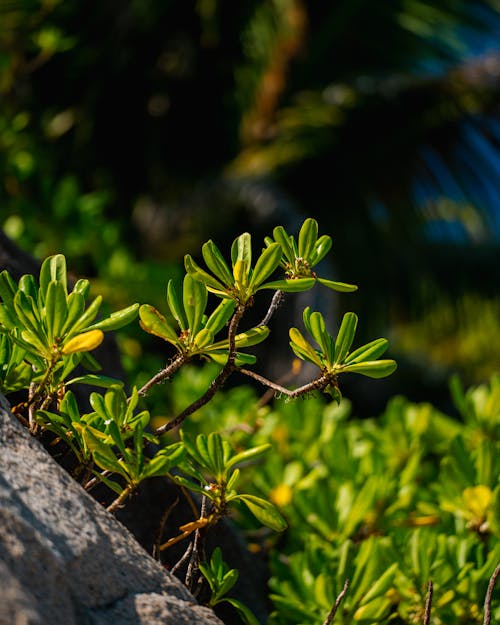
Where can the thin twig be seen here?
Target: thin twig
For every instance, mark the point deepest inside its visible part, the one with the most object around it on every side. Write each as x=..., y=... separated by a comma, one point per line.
x=428, y=603
x=161, y=528
x=120, y=500
x=317, y=384
x=489, y=596
x=164, y=374
x=216, y=384
x=185, y=556
x=276, y=301
x=338, y=601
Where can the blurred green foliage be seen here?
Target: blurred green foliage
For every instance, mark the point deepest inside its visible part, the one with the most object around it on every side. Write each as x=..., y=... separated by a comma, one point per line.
x=387, y=503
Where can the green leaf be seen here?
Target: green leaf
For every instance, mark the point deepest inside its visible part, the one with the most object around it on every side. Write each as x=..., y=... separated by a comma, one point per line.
x=372, y=350
x=308, y=236
x=241, y=250
x=27, y=284
x=88, y=316
x=152, y=321
x=212, y=444
x=24, y=312
x=345, y=336
x=220, y=357
x=82, y=286
x=202, y=276
x=75, y=309
x=322, y=247
x=247, y=455
x=56, y=310
x=281, y=237
x=8, y=287
x=266, y=264
x=306, y=350
x=175, y=305
x=53, y=269
x=195, y=302
x=203, y=339
x=342, y=287
x=92, y=379
x=101, y=452
x=265, y=512
x=254, y=336
x=296, y=285
x=221, y=315
x=216, y=263
x=116, y=320
x=245, y=613
x=372, y=369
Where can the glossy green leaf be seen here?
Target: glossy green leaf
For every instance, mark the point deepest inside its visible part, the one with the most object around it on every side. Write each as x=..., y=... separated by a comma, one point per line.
x=55, y=309
x=176, y=307
x=88, y=316
x=27, y=284
x=75, y=309
x=306, y=350
x=321, y=248
x=101, y=452
x=152, y=321
x=82, y=286
x=342, y=287
x=372, y=369
x=308, y=236
x=204, y=338
x=265, y=512
x=24, y=312
x=220, y=357
x=370, y=351
x=245, y=613
x=241, y=250
x=194, y=301
x=345, y=336
x=92, y=379
x=8, y=287
x=248, y=455
x=116, y=320
x=296, y=285
x=266, y=264
x=241, y=272
x=221, y=315
x=216, y=263
x=254, y=336
x=53, y=269
x=202, y=276
x=215, y=454
x=281, y=237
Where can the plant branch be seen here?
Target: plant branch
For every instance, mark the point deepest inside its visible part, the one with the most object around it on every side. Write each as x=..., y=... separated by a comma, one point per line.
x=276, y=301
x=428, y=604
x=489, y=596
x=317, y=384
x=164, y=374
x=118, y=502
x=217, y=383
x=338, y=601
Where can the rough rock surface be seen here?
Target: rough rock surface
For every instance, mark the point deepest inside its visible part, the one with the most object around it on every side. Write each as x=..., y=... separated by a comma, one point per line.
x=64, y=560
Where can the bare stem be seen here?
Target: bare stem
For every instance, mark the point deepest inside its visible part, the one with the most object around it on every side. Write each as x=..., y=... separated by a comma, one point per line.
x=276, y=301
x=118, y=502
x=318, y=383
x=216, y=384
x=489, y=596
x=428, y=603
x=161, y=528
x=338, y=601
x=164, y=374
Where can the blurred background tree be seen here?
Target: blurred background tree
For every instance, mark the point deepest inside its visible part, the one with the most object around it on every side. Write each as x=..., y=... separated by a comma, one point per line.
x=132, y=132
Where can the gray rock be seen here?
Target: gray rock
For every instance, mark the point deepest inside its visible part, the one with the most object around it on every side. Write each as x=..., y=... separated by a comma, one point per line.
x=64, y=560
